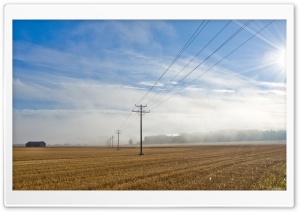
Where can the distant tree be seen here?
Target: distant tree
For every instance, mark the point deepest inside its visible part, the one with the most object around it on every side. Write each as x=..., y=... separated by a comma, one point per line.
x=218, y=136
x=130, y=141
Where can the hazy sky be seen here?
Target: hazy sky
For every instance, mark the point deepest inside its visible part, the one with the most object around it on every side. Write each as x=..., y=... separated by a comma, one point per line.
x=77, y=81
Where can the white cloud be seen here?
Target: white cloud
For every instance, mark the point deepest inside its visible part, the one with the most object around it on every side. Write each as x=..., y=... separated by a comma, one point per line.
x=193, y=88
x=151, y=83
x=224, y=91
x=273, y=84
x=204, y=111
x=114, y=65
x=83, y=94
x=122, y=34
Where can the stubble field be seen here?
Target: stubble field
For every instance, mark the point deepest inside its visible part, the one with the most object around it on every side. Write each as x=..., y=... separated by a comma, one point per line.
x=227, y=167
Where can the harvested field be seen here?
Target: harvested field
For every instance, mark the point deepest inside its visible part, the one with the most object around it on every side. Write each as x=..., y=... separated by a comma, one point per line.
x=228, y=167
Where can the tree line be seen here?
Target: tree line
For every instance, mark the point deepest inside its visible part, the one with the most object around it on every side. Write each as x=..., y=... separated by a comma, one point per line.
x=218, y=136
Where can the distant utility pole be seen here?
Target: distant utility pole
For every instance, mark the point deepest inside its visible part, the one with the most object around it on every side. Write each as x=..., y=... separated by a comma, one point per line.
x=118, y=132
x=112, y=141
x=142, y=112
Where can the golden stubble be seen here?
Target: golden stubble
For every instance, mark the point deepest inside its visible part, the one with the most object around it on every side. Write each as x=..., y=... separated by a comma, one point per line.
x=227, y=167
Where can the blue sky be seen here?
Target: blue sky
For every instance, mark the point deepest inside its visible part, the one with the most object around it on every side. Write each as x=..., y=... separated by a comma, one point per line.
x=77, y=81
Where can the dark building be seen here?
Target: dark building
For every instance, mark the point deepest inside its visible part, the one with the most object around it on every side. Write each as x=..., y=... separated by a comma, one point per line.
x=36, y=144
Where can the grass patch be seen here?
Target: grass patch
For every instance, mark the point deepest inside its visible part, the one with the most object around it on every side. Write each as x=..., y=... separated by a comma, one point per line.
x=275, y=179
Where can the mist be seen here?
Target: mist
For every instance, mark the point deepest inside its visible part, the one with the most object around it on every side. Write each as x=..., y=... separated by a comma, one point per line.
x=219, y=136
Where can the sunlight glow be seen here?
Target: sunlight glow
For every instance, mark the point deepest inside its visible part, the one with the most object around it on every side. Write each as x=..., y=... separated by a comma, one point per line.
x=281, y=58
x=275, y=58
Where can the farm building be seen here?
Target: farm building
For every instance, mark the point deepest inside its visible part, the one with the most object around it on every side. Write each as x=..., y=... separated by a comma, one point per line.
x=35, y=144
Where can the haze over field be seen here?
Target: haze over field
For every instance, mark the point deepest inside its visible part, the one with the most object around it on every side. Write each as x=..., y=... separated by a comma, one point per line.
x=77, y=81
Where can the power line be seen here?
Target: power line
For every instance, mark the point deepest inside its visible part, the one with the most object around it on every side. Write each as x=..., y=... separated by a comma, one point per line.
x=188, y=43
x=247, y=23
x=132, y=120
x=215, y=63
x=126, y=120
x=174, y=60
x=108, y=142
x=223, y=44
x=189, y=62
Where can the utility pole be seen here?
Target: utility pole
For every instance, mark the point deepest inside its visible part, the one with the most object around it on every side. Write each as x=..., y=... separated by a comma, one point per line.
x=112, y=141
x=142, y=112
x=118, y=132
x=108, y=142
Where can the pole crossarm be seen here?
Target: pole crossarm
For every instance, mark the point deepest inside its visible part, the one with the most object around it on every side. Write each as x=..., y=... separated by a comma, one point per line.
x=141, y=111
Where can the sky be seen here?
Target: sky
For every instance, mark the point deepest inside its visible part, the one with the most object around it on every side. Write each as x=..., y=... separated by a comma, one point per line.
x=76, y=82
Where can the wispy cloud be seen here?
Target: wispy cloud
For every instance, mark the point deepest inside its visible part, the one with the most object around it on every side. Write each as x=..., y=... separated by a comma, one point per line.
x=118, y=65
x=85, y=94
x=150, y=83
x=273, y=84
x=123, y=34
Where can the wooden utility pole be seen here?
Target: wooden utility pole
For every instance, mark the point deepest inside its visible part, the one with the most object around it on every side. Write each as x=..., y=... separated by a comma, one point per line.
x=118, y=132
x=142, y=112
